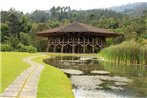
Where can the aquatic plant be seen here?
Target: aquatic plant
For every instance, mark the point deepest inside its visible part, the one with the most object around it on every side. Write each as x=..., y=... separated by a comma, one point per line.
x=130, y=52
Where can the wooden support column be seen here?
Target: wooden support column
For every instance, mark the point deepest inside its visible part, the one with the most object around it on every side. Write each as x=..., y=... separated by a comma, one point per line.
x=84, y=45
x=92, y=40
x=101, y=41
x=68, y=39
x=54, y=48
x=78, y=40
x=92, y=48
x=73, y=45
x=62, y=48
x=88, y=40
x=47, y=46
x=73, y=49
x=104, y=42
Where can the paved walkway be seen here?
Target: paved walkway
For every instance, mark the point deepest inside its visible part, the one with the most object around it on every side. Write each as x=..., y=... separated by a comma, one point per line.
x=25, y=85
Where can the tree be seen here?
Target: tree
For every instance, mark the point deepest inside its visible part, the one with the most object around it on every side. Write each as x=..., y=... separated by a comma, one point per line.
x=4, y=16
x=60, y=13
x=39, y=16
x=38, y=42
x=4, y=31
x=13, y=41
x=25, y=38
x=25, y=24
x=53, y=23
x=14, y=24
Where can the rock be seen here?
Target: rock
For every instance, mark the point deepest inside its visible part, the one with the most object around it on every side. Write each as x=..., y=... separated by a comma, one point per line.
x=120, y=83
x=71, y=71
x=86, y=58
x=86, y=82
x=66, y=63
x=121, y=79
x=100, y=72
x=115, y=88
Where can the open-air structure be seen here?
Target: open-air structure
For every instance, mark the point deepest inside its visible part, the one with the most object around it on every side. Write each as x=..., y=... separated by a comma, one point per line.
x=76, y=38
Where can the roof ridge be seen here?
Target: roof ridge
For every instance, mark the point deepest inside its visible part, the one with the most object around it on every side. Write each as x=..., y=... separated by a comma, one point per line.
x=83, y=26
x=62, y=27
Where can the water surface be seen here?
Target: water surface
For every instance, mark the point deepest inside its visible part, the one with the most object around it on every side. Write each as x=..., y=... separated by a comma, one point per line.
x=92, y=78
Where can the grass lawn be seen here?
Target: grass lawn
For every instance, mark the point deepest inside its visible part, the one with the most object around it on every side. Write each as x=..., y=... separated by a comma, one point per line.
x=53, y=82
x=11, y=66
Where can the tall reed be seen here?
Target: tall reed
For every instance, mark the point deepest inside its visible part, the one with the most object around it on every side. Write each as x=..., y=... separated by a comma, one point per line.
x=130, y=52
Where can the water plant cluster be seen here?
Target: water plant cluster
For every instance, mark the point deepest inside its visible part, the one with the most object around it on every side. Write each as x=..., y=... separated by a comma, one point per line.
x=130, y=52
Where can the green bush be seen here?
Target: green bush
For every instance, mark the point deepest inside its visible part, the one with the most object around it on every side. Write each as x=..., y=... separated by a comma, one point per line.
x=6, y=47
x=23, y=48
x=31, y=49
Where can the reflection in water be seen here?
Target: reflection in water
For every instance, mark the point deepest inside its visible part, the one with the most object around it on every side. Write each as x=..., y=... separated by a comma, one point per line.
x=96, y=79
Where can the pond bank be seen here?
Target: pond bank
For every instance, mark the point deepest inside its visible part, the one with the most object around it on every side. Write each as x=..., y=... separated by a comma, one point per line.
x=53, y=83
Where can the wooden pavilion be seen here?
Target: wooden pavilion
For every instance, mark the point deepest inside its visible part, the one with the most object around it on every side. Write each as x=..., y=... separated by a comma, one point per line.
x=76, y=38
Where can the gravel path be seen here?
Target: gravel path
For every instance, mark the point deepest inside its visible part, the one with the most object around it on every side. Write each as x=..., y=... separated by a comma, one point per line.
x=25, y=85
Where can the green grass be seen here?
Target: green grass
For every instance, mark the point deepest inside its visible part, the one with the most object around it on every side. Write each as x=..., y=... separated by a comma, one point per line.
x=53, y=83
x=11, y=66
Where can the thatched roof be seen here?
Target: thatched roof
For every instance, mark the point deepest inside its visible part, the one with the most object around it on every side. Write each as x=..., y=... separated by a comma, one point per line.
x=77, y=27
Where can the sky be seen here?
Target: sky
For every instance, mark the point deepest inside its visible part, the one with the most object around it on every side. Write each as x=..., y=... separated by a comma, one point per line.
x=31, y=5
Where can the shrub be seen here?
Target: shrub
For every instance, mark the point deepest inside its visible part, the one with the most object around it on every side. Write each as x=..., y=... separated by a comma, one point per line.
x=6, y=47
x=31, y=49
x=23, y=48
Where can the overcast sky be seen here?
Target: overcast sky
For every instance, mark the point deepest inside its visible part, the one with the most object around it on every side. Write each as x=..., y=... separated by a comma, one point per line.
x=31, y=5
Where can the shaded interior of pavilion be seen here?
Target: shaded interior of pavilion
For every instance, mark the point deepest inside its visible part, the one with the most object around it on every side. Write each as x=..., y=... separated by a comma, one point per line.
x=77, y=49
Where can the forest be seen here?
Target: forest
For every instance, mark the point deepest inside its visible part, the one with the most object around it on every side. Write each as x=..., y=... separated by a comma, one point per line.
x=18, y=30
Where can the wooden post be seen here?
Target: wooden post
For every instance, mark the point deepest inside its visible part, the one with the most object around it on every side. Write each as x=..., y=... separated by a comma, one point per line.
x=78, y=40
x=84, y=45
x=73, y=45
x=104, y=42
x=47, y=46
x=54, y=48
x=73, y=49
x=92, y=48
x=62, y=48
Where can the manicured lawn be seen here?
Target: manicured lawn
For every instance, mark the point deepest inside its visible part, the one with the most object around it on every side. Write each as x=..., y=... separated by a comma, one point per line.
x=53, y=83
x=11, y=66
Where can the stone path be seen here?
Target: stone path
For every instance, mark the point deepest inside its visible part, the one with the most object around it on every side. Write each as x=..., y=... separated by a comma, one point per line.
x=25, y=85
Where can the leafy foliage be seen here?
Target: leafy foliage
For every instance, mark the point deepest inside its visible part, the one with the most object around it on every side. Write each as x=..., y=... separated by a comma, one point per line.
x=25, y=38
x=17, y=27
x=5, y=47
x=29, y=49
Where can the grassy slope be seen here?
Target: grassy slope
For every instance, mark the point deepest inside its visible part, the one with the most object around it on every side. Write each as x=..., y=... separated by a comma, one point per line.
x=53, y=83
x=11, y=66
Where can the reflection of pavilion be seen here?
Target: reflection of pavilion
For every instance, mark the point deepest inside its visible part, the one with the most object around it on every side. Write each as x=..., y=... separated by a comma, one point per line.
x=70, y=62
x=76, y=38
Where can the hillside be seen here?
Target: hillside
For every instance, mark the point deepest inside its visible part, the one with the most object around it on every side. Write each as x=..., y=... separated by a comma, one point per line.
x=134, y=9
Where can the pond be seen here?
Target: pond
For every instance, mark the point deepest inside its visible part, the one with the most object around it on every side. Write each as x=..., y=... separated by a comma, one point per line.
x=92, y=78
